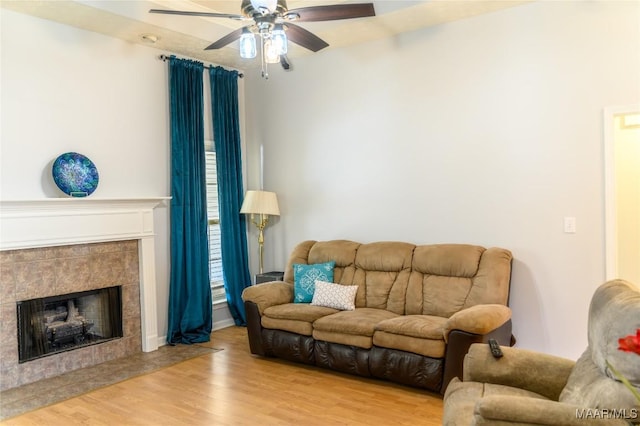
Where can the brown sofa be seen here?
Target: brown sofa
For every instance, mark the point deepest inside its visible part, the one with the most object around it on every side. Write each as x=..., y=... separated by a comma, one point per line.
x=418, y=308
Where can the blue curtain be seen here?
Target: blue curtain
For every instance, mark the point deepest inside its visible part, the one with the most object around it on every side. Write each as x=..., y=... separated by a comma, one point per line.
x=190, y=305
x=233, y=227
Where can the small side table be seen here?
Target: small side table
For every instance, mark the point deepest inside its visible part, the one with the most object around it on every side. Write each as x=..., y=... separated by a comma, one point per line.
x=269, y=276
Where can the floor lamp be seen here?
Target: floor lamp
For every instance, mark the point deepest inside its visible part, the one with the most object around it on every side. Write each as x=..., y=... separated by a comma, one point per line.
x=260, y=205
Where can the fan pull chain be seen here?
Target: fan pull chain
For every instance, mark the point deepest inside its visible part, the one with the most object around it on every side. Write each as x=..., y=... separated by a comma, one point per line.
x=265, y=66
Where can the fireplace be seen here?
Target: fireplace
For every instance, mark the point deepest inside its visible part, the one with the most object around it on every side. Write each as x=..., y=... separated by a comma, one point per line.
x=54, y=274
x=66, y=322
x=61, y=246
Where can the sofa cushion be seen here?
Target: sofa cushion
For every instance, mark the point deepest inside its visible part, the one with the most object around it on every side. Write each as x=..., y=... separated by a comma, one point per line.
x=335, y=296
x=350, y=327
x=293, y=326
x=417, y=345
x=382, y=273
x=305, y=277
x=294, y=317
x=422, y=326
x=298, y=311
x=343, y=252
x=300, y=254
x=421, y=334
x=446, y=278
x=448, y=260
x=441, y=278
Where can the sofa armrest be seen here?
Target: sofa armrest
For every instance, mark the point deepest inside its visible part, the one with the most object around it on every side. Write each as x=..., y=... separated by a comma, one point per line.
x=504, y=409
x=478, y=319
x=537, y=372
x=268, y=294
x=458, y=345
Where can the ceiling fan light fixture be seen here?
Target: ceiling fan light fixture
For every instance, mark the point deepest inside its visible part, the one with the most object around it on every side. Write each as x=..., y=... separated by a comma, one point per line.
x=279, y=39
x=271, y=55
x=247, y=44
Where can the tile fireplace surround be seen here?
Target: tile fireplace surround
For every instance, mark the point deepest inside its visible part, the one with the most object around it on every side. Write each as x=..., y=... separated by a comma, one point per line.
x=57, y=246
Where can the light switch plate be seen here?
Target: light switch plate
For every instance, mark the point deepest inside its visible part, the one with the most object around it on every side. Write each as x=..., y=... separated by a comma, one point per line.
x=569, y=225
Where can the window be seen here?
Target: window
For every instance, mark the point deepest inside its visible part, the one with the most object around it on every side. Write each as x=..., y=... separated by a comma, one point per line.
x=215, y=253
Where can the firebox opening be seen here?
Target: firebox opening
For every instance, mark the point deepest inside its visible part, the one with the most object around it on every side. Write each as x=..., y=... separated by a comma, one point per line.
x=61, y=323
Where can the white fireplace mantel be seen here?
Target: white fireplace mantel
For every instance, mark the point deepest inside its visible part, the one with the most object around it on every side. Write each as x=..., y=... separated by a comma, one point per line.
x=64, y=221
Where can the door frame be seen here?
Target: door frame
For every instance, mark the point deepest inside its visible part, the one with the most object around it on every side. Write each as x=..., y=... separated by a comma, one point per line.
x=610, y=228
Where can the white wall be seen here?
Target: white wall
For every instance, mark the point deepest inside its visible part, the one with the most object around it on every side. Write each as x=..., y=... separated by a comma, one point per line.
x=65, y=89
x=484, y=131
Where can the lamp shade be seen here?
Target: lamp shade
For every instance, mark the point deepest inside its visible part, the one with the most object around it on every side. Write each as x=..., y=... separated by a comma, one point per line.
x=260, y=202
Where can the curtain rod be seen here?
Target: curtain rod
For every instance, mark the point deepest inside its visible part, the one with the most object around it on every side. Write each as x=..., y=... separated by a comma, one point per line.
x=165, y=58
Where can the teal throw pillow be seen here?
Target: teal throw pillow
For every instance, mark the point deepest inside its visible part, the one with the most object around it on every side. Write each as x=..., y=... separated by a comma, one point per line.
x=305, y=277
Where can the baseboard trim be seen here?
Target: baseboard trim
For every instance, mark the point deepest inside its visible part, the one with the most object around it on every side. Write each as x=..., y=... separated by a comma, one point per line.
x=220, y=310
x=219, y=325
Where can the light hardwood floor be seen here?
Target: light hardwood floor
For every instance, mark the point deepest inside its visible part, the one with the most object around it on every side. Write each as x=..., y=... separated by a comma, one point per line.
x=233, y=387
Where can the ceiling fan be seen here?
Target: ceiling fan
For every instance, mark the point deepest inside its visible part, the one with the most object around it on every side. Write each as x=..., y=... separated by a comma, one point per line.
x=273, y=23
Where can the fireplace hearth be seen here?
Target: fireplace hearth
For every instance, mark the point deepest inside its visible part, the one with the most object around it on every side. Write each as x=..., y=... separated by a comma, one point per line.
x=66, y=322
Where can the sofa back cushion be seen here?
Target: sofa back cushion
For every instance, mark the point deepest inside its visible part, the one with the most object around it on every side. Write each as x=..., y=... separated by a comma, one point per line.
x=382, y=273
x=343, y=252
x=441, y=278
x=300, y=254
x=446, y=278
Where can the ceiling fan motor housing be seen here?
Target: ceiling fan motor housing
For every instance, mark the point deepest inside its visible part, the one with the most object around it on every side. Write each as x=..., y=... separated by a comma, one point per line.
x=249, y=8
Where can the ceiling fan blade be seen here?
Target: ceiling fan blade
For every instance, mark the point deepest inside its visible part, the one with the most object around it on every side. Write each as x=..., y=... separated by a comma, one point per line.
x=304, y=38
x=204, y=14
x=229, y=38
x=331, y=13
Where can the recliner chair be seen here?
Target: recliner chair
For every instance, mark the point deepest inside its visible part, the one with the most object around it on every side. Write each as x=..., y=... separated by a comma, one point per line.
x=530, y=388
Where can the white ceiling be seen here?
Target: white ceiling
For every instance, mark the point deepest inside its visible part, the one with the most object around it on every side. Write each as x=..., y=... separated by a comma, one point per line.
x=188, y=35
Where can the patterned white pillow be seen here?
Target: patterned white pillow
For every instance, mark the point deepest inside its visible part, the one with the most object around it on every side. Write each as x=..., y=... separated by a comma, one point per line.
x=335, y=296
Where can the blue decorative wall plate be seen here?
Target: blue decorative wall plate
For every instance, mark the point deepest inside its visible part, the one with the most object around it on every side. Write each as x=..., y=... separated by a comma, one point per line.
x=75, y=174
